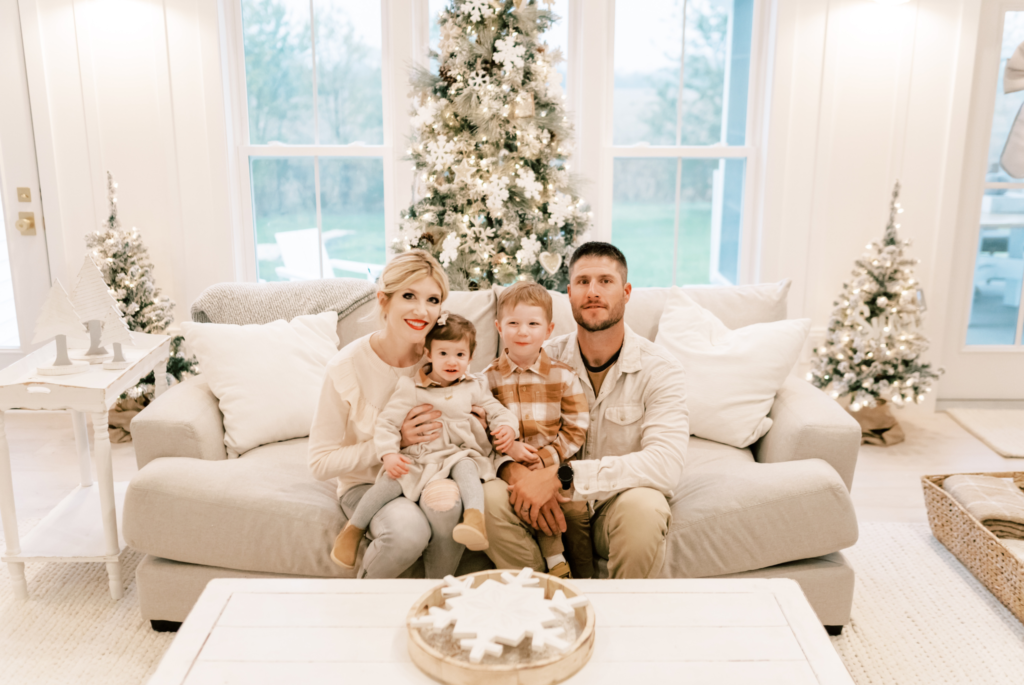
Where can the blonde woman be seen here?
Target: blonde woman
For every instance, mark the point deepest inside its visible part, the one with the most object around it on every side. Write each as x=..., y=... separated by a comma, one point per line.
x=360, y=380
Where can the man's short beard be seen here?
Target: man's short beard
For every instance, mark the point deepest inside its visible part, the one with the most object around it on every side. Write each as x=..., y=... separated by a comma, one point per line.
x=613, y=319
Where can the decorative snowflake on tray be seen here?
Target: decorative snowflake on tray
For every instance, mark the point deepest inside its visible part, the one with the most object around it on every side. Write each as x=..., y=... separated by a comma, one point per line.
x=493, y=615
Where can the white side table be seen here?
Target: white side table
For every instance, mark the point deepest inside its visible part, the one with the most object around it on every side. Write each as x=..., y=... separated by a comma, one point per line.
x=72, y=531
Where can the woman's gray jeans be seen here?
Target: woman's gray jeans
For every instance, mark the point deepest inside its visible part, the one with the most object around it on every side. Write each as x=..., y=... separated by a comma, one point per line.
x=403, y=531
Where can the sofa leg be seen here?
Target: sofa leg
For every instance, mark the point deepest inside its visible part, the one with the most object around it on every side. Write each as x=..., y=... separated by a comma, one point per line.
x=165, y=626
x=834, y=630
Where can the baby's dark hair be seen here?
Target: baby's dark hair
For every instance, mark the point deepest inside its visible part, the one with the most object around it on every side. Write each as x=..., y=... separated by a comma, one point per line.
x=455, y=328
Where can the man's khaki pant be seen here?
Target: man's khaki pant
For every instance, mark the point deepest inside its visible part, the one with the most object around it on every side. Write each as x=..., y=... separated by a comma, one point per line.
x=629, y=530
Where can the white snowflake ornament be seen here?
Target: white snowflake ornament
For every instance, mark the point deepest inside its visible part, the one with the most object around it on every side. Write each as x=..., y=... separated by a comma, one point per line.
x=494, y=615
x=508, y=53
x=477, y=9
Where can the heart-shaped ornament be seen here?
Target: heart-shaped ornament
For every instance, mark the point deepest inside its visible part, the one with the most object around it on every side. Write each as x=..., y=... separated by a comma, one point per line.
x=550, y=262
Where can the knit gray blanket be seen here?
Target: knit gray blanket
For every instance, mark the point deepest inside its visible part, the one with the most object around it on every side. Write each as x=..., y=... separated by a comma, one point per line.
x=259, y=303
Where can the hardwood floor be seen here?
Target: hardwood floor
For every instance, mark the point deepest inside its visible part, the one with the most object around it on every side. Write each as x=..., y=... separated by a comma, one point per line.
x=887, y=485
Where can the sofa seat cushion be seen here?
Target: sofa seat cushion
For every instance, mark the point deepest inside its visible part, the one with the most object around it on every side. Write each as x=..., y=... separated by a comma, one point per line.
x=731, y=514
x=261, y=512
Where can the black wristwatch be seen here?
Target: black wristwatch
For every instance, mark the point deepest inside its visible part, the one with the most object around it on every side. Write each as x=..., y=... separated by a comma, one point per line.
x=565, y=476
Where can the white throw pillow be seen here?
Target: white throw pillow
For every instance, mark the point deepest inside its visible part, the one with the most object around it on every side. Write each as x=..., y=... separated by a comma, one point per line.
x=731, y=376
x=267, y=377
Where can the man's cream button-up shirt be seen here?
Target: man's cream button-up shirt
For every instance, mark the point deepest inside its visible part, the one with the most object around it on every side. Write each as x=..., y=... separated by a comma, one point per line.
x=639, y=424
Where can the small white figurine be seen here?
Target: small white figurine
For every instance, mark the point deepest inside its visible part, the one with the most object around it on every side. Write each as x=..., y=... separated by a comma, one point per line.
x=92, y=301
x=115, y=331
x=60, y=320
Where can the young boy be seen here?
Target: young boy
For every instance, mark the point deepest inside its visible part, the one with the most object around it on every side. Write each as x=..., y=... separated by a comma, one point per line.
x=547, y=398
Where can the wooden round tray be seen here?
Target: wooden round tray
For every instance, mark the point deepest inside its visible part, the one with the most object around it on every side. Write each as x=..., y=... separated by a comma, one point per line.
x=461, y=672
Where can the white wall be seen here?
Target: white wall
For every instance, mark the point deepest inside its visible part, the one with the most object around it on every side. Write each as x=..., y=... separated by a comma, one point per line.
x=134, y=87
x=861, y=94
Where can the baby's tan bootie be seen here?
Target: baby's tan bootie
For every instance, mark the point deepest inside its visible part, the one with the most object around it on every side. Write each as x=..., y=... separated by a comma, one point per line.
x=346, y=545
x=471, y=532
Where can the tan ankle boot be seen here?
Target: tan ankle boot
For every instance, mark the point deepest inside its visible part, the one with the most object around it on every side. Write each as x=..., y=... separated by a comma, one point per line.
x=560, y=570
x=471, y=532
x=346, y=545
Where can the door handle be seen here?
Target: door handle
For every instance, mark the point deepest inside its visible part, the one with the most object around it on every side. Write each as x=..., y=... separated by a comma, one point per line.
x=26, y=223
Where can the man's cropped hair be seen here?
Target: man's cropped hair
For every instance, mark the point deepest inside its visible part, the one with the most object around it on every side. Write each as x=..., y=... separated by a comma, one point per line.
x=598, y=249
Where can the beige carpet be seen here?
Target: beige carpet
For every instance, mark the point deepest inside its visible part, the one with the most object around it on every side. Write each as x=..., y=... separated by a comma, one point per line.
x=1000, y=429
x=919, y=618
x=71, y=630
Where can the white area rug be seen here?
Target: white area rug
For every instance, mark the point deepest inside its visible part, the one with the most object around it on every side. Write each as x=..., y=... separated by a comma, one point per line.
x=1000, y=429
x=918, y=618
x=71, y=630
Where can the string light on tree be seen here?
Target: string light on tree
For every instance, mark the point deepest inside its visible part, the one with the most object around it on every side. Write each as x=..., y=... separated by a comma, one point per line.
x=495, y=199
x=873, y=348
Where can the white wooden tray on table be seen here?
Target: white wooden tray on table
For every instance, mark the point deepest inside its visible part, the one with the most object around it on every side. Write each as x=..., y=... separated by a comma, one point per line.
x=83, y=527
x=308, y=631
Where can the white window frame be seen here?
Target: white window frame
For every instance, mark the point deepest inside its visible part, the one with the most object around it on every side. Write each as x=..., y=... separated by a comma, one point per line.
x=595, y=89
x=589, y=89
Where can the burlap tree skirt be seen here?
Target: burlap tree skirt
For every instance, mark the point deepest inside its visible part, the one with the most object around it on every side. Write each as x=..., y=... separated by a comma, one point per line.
x=877, y=425
x=120, y=419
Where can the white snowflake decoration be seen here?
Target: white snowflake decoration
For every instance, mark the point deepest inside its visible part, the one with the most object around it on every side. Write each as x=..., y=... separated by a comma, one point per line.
x=508, y=53
x=477, y=9
x=494, y=615
x=427, y=112
x=528, y=182
x=560, y=209
x=450, y=249
x=497, y=193
x=441, y=152
x=527, y=256
x=478, y=80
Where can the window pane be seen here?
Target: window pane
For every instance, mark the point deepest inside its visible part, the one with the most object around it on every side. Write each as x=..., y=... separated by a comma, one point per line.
x=646, y=215
x=8, y=316
x=278, y=71
x=348, y=72
x=284, y=211
x=1007, y=105
x=715, y=66
x=352, y=206
x=998, y=269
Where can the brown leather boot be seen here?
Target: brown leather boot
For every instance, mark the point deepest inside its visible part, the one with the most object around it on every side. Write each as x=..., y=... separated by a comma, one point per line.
x=471, y=532
x=561, y=570
x=346, y=546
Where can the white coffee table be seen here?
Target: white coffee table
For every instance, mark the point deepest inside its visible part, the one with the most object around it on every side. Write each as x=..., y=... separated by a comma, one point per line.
x=83, y=527
x=717, y=632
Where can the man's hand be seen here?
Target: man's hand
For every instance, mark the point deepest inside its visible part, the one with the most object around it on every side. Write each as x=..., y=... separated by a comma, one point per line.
x=420, y=425
x=504, y=437
x=525, y=454
x=395, y=465
x=535, y=492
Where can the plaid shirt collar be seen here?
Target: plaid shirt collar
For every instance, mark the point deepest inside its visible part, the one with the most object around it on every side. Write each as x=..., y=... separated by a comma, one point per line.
x=423, y=382
x=506, y=367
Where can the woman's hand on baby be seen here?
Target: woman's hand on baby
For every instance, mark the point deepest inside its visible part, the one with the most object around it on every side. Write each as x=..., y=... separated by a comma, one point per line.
x=504, y=437
x=395, y=465
x=420, y=425
x=525, y=454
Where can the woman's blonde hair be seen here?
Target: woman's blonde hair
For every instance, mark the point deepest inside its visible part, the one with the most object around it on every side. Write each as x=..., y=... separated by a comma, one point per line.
x=406, y=269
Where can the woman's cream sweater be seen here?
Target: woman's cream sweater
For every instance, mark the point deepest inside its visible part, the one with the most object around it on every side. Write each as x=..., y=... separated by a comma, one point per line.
x=357, y=388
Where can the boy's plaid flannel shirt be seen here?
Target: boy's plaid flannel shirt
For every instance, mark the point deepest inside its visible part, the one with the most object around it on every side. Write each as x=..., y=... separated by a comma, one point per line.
x=549, y=402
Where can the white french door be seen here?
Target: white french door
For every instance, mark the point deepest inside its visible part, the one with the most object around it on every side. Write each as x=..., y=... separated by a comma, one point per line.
x=24, y=267
x=984, y=354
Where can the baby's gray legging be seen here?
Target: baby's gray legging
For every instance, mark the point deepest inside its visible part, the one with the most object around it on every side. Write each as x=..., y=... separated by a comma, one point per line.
x=402, y=530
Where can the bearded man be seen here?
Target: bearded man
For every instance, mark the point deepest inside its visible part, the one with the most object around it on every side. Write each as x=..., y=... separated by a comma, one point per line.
x=634, y=451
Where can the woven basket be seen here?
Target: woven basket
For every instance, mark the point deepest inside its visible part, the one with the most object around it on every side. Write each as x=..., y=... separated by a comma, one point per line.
x=973, y=544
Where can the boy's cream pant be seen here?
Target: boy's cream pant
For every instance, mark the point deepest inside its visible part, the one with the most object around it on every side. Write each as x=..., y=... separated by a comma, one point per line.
x=629, y=530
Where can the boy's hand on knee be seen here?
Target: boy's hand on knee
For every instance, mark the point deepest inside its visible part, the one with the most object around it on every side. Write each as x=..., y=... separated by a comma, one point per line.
x=504, y=437
x=396, y=465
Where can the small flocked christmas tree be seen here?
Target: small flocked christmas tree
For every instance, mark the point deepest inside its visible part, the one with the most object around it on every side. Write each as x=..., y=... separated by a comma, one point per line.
x=124, y=262
x=873, y=349
x=495, y=199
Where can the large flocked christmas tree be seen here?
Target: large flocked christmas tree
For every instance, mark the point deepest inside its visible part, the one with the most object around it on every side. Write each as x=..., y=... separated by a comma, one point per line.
x=494, y=194
x=124, y=262
x=874, y=344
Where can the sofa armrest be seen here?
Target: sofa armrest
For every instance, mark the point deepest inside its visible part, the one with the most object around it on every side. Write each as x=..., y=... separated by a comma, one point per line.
x=808, y=424
x=185, y=421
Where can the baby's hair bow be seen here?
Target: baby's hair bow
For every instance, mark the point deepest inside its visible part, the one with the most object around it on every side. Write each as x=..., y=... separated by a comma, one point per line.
x=443, y=319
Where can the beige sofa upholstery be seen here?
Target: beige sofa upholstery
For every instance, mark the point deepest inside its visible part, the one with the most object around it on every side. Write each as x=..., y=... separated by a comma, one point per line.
x=779, y=509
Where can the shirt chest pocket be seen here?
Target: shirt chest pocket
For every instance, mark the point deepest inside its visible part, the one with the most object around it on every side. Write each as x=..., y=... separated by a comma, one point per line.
x=621, y=429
